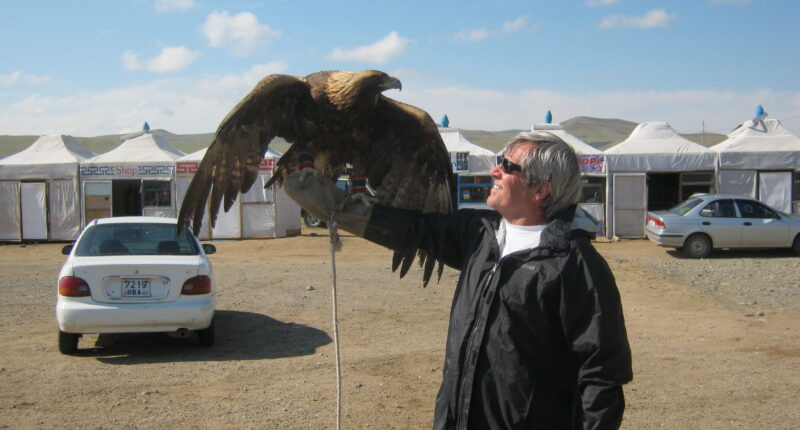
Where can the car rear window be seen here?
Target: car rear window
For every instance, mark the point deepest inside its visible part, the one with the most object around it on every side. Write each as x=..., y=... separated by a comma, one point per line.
x=686, y=206
x=136, y=239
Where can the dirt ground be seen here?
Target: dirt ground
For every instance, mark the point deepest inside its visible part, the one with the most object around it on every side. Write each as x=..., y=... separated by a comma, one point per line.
x=699, y=362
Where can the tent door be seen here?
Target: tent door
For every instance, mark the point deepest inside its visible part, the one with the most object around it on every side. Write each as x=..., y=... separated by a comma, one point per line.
x=663, y=191
x=96, y=200
x=630, y=199
x=126, y=197
x=775, y=189
x=33, y=206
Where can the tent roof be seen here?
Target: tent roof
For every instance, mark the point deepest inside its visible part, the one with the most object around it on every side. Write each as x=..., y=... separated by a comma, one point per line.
x=580, y=147
x=759, y=137
x=655, y=137
x=50, y=149
x=142, y=148
x=456, y=142
x=198, y=155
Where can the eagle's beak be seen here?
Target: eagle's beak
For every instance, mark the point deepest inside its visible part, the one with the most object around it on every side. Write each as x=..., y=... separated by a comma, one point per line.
x=392, y=83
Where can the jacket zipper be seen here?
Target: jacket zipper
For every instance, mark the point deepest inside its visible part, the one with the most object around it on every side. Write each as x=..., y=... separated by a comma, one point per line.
x=469, y=344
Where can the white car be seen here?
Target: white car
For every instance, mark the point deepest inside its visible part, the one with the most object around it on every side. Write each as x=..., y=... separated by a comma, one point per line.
x=135, y=274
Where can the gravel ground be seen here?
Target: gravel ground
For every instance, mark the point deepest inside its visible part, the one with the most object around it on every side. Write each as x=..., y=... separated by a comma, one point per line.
x=764, y=278
x=705, y=357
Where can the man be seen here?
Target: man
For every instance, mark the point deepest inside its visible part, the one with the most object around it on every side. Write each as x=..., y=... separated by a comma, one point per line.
x=537, y=337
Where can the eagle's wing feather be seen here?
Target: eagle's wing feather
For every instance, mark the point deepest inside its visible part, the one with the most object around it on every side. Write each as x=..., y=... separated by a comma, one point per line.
x=408, y=166
x=279, y=105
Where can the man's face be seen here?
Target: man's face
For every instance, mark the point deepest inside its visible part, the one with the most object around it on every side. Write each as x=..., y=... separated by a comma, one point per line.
x=511, y=196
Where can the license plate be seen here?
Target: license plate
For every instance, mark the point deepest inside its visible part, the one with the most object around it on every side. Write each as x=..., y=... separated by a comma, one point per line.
x=135, y=287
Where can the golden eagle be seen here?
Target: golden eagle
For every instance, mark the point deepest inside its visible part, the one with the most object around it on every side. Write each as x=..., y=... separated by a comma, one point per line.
x=339, y=118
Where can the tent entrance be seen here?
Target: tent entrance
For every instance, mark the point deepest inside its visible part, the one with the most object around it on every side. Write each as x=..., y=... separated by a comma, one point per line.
x=663, y=190
x=775, y=189
x=126, y=197
x=629, y=204
x=33, y=207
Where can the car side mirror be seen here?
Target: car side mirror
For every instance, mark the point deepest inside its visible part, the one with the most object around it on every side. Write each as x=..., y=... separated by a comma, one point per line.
x=209, y=248
x=66, y=250
x=706, y=212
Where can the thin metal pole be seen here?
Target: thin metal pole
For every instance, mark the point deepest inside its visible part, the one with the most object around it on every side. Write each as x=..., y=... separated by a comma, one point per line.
x=333, y=246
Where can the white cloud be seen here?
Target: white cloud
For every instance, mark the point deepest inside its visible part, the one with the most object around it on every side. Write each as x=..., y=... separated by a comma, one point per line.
x=379, y=52
x=165, y=6
x=482, y=109
x=20, y=78
x=600, y=2
x=654, y=18
x=473, y=35
x=515, y=25
x=171, y=59
x=482, y=33
x=242, y=33
x=198, y=105
x=178, y=105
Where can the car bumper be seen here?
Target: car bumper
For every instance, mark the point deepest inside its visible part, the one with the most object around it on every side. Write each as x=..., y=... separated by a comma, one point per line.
x=665, y=239
x=83, y=315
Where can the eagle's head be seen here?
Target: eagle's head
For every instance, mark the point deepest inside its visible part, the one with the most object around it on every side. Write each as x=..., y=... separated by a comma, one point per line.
x=359, y=90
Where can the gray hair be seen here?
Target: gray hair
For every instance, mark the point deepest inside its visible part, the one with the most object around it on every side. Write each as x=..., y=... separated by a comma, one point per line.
x=554, y=161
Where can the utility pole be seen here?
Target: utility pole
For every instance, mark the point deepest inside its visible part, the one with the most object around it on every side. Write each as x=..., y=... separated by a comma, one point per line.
x=703, y=134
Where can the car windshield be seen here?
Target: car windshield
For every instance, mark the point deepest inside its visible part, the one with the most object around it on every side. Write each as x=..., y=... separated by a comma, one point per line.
x=135, y=239
x=686, y=206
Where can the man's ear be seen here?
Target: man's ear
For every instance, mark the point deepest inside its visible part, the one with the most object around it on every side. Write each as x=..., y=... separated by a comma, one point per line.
x=541, y=190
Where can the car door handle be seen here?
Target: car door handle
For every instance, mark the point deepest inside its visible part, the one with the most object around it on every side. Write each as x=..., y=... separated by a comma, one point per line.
x=748, y=223
x=706, y=223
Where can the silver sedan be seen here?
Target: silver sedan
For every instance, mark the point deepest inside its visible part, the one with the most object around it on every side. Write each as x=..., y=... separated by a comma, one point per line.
x=711, y=221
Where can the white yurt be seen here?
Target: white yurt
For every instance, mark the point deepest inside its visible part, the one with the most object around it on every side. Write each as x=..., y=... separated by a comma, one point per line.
x=39, y=190
x=761, y=159
x=259, y=213
x=471, y=167
x=653, y=169
x=135, y=178
x=465, y=156
x=593, y=169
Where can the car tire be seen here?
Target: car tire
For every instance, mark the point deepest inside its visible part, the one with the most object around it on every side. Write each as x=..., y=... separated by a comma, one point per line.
x=68, y=342
x=312, y=222
x=205, y=337
x=796, y=245
x=697, y=246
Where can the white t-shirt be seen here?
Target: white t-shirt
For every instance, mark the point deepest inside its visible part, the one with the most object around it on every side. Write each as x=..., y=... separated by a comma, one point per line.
x=513, y=238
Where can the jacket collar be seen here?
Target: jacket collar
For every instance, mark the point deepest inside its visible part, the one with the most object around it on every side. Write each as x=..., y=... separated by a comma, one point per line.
x=555, y=237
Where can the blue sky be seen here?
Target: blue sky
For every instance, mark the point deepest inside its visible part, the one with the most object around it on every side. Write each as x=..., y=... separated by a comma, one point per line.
x=100, y=67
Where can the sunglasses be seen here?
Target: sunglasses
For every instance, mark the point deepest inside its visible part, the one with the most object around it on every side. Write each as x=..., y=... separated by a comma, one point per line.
x=509, y=167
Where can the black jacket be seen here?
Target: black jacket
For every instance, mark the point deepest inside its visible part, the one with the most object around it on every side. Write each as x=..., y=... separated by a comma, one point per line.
x=537, y=339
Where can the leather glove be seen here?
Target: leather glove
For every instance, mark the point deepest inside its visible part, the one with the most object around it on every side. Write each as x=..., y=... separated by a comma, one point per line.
x=321, y=197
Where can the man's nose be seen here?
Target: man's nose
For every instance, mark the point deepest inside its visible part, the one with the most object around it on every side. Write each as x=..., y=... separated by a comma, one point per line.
x=495, y=172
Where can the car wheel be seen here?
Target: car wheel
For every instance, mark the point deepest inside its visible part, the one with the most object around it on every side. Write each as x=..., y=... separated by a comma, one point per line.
x=205, y=337
x=697, y=246
x=796, y=245
x=312, y=222
x=68, y=342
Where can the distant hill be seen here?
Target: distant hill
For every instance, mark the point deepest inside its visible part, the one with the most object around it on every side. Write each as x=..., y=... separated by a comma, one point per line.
x=602, y=133
x=492, y=140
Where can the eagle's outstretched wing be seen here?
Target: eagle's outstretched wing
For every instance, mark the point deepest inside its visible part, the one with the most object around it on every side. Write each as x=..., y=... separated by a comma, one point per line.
x=409, y=167
x=279, y=105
